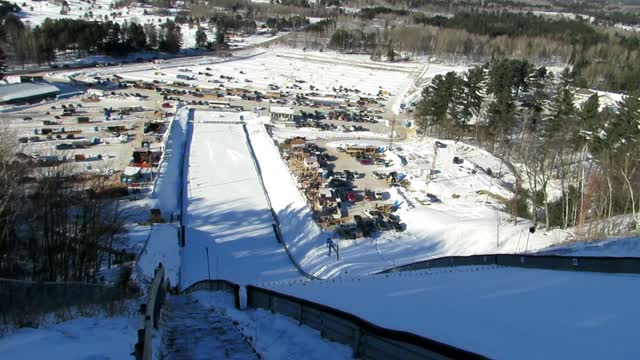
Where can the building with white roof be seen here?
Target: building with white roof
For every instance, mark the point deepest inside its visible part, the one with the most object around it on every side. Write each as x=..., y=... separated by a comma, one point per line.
x=282, y=116
x=26, y=92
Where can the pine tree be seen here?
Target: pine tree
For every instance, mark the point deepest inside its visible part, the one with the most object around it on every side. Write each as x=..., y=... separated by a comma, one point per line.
x=136, y=37
x=625, y=127
x=473, y=92
x=589, y=119
x=501, y=113
x=220, y=35
x=201, y=39
x=152, y=36
x=171, y=39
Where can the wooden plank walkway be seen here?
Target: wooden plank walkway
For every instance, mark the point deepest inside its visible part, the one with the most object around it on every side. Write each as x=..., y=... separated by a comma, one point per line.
x=192, y=331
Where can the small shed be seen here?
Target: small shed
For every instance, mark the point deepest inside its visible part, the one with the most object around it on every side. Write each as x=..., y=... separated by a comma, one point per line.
x=311, y=162
x=282, y=116
x=297, y=143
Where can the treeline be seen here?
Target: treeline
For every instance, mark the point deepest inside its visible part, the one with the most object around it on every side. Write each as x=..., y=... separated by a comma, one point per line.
x=528, y=116
x=287, y=23
x=513, y=24
x=600, y=58
x=352, y=41
x=370, y=13
x=52, y=37
x=321, y=26
x=233, y=22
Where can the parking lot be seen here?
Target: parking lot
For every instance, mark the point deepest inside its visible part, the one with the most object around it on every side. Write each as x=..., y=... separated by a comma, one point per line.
x=346, y=187
x=76, y=131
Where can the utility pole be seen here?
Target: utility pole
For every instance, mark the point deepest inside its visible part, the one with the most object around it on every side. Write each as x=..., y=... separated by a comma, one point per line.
x=393, y=127
x=433, y=163
x=497, y=228
x=515, y=204
x=208, y=264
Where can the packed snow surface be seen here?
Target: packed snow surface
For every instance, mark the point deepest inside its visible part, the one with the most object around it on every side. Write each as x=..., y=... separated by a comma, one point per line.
x=226, y=210
x=502, y=313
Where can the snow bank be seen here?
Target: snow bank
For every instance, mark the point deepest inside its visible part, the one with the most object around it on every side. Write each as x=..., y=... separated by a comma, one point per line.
x=502, y=313
x=623, y=247
x=305, y=239
x=162, y=247
x=166, y=190
x=83, y=338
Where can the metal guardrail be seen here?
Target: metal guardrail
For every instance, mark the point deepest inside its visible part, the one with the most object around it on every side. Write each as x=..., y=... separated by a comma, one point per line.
x=618, y=265
x=150, y=315
x=216, y=285
x=368, y=341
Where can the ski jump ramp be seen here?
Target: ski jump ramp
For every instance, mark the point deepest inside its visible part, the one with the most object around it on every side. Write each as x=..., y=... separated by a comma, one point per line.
x=225, y=210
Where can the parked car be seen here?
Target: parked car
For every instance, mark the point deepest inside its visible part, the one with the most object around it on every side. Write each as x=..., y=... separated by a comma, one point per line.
x=366, y=161
x=371, y=213
x=382, y=225
x=397, y=226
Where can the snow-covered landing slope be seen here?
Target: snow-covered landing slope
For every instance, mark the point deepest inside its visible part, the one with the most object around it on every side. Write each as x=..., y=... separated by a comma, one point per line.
x=227, y=212
x=503, y=313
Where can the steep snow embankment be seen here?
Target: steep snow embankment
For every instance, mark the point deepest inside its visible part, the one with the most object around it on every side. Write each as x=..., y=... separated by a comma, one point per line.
x=166, y=190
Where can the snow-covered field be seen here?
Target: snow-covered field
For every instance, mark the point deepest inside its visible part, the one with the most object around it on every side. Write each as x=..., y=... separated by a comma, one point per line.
x=226, y=210
x=84, y=338
x=503, y=313
x=325, y=71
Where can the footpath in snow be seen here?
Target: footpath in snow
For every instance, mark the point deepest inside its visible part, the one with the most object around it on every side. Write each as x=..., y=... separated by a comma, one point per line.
x=502, y=313
x=226, y=211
